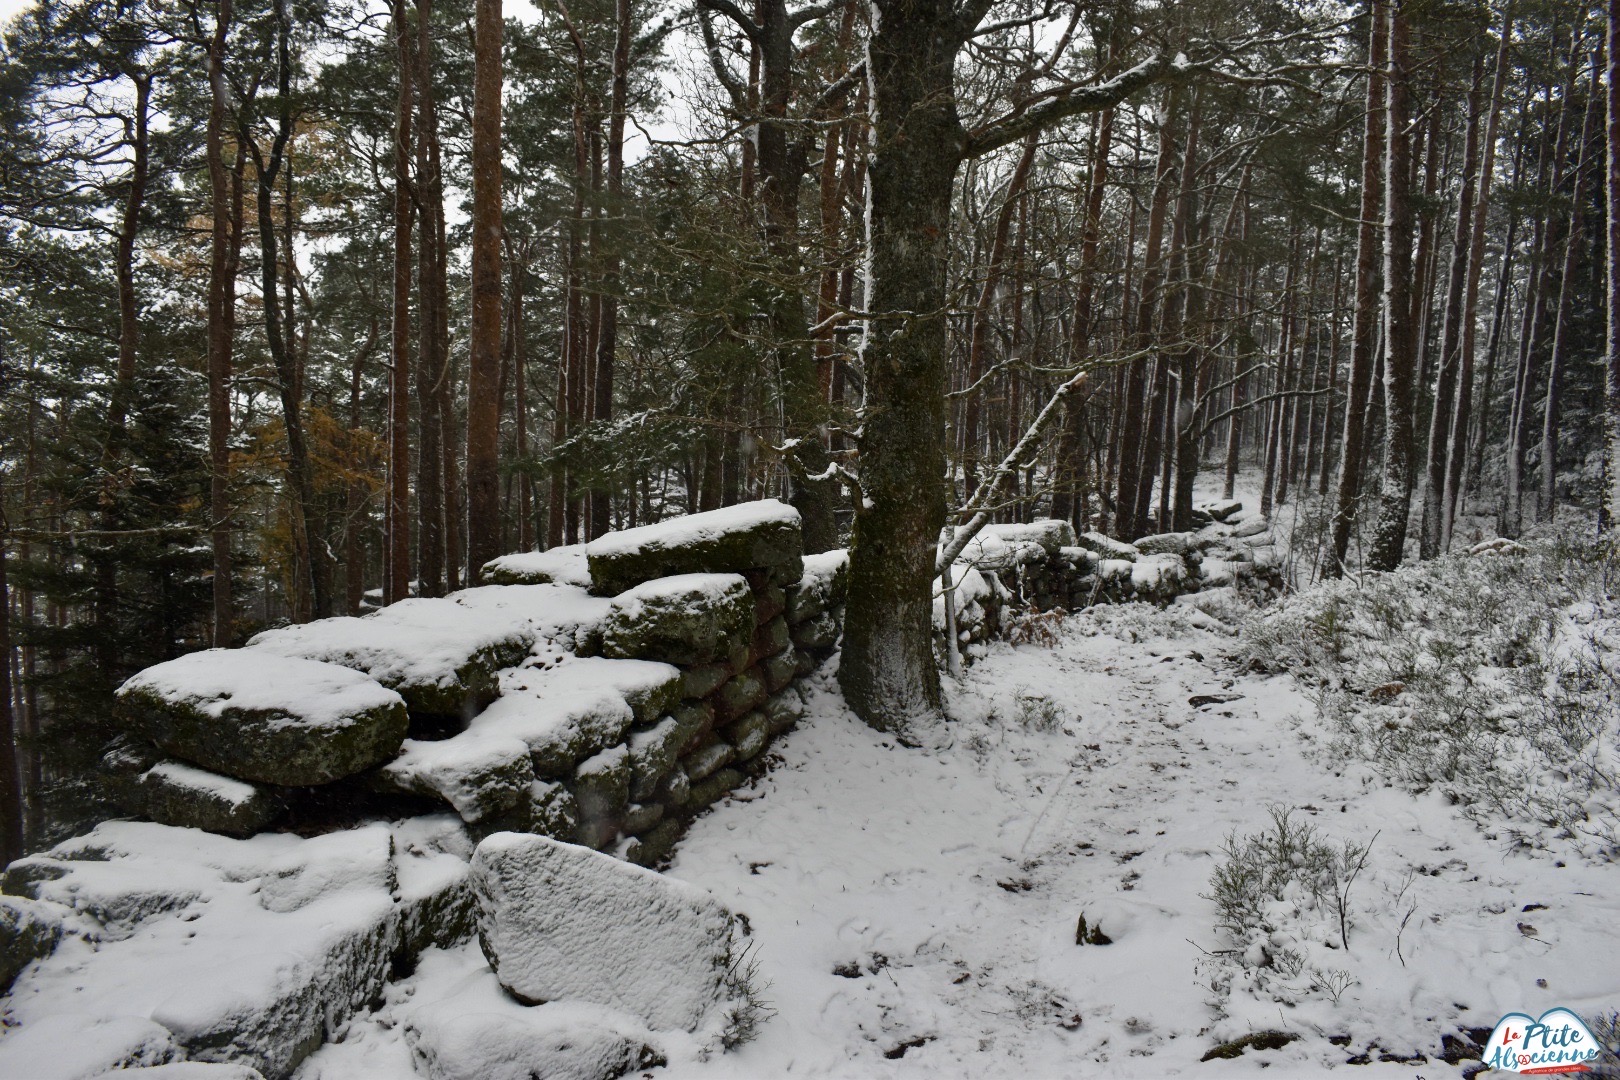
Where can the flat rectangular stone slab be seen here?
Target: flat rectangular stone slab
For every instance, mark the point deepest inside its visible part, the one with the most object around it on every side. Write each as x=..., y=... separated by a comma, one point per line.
x=748, y=536
x=559, y=922
x=265, y=717
x=441, y=656
x=689, y=620
x=559, y=565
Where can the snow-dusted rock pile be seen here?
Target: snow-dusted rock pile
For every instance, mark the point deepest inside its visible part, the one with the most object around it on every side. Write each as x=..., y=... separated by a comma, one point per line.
x=601, y=695
x=1044, y=565
x=175, y=944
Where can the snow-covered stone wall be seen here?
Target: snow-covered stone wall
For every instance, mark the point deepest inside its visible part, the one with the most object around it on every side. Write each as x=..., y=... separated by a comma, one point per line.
x=1010, y=570
x=307, y=806
x=600, y=695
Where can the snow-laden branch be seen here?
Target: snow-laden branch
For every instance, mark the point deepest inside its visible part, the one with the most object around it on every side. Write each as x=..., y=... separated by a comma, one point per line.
x=1073, y=101
x=978, y=508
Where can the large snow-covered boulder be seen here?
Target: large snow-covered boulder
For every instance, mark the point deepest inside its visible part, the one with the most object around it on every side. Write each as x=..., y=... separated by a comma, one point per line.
x=264, y=717
x=175, y=793
x=247, y=951
x=1223, y=510
x=187, y=1070
x=1107, y=547
x=1050, y=534
x=762, y=535
x=440, y=655
x=566, y=615
x=78, y=1046
x=29, y=930
x=477, y=773
x=560, y=922
x=1171, y=543
x=649, y=688
x=467, y=1028
x=824, y=585
x=560, y=729
x=555, y=566
x=688, y=620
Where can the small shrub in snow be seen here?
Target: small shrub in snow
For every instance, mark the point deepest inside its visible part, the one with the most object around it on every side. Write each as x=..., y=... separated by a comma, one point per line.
x=1493, y=677
x=1605, y=1028
x=1037, y=712
x=1137, y=622
x=749, y=1009
x=1279, y=895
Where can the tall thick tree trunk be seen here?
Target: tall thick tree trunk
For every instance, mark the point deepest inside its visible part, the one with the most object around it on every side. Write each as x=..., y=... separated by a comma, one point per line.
x=1448, y=369
x=1574, y=244
x=221, y=322
x=1136, y=430
x=1364, y=330
x=431, y=481
x=607, y=343
x=1400, y=359
x=887, y=672
x=484, y=366
x=1462, y=403
x=397, y=522
x=1611, y=418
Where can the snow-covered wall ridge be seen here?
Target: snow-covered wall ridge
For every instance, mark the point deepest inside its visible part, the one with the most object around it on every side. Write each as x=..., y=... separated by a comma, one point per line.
x=763, y=535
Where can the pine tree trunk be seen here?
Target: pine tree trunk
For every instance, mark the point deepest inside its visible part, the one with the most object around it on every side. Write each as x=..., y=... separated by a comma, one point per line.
x=1448, y=369
x=397, y=574
x=607, y=343
x=307, y=595
x=520, y=403
x=1400, y=359
x=1463, y=400
x=1574, y=242
x=1534, y=340
x=1068, y=503
x=1364, y=325
x=11, y=789
x=484, y=365
x=1611, y=424
x=1131, y=501
x=221, y=311
x=979, y=335
x=431, y=259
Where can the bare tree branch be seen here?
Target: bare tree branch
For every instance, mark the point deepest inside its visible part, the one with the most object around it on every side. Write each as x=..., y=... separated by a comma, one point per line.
x=1014, y=126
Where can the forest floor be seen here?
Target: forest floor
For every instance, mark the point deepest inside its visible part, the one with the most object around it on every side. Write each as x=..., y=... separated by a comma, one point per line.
x=914, y=912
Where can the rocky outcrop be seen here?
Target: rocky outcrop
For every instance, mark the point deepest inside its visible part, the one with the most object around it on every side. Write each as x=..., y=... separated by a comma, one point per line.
x=29, y=930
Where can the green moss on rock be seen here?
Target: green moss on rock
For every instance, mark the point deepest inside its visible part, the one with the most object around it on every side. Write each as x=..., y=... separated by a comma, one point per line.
x=690, y=620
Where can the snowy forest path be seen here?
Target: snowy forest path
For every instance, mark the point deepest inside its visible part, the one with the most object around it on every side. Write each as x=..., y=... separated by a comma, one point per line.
x=916, y=912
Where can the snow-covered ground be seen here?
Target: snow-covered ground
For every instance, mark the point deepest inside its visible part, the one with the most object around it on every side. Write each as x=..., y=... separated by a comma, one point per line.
x=914, y=911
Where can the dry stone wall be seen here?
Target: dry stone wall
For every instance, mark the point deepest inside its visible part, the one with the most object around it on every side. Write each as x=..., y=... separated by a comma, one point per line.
x=342, y=772
x=624, y=687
